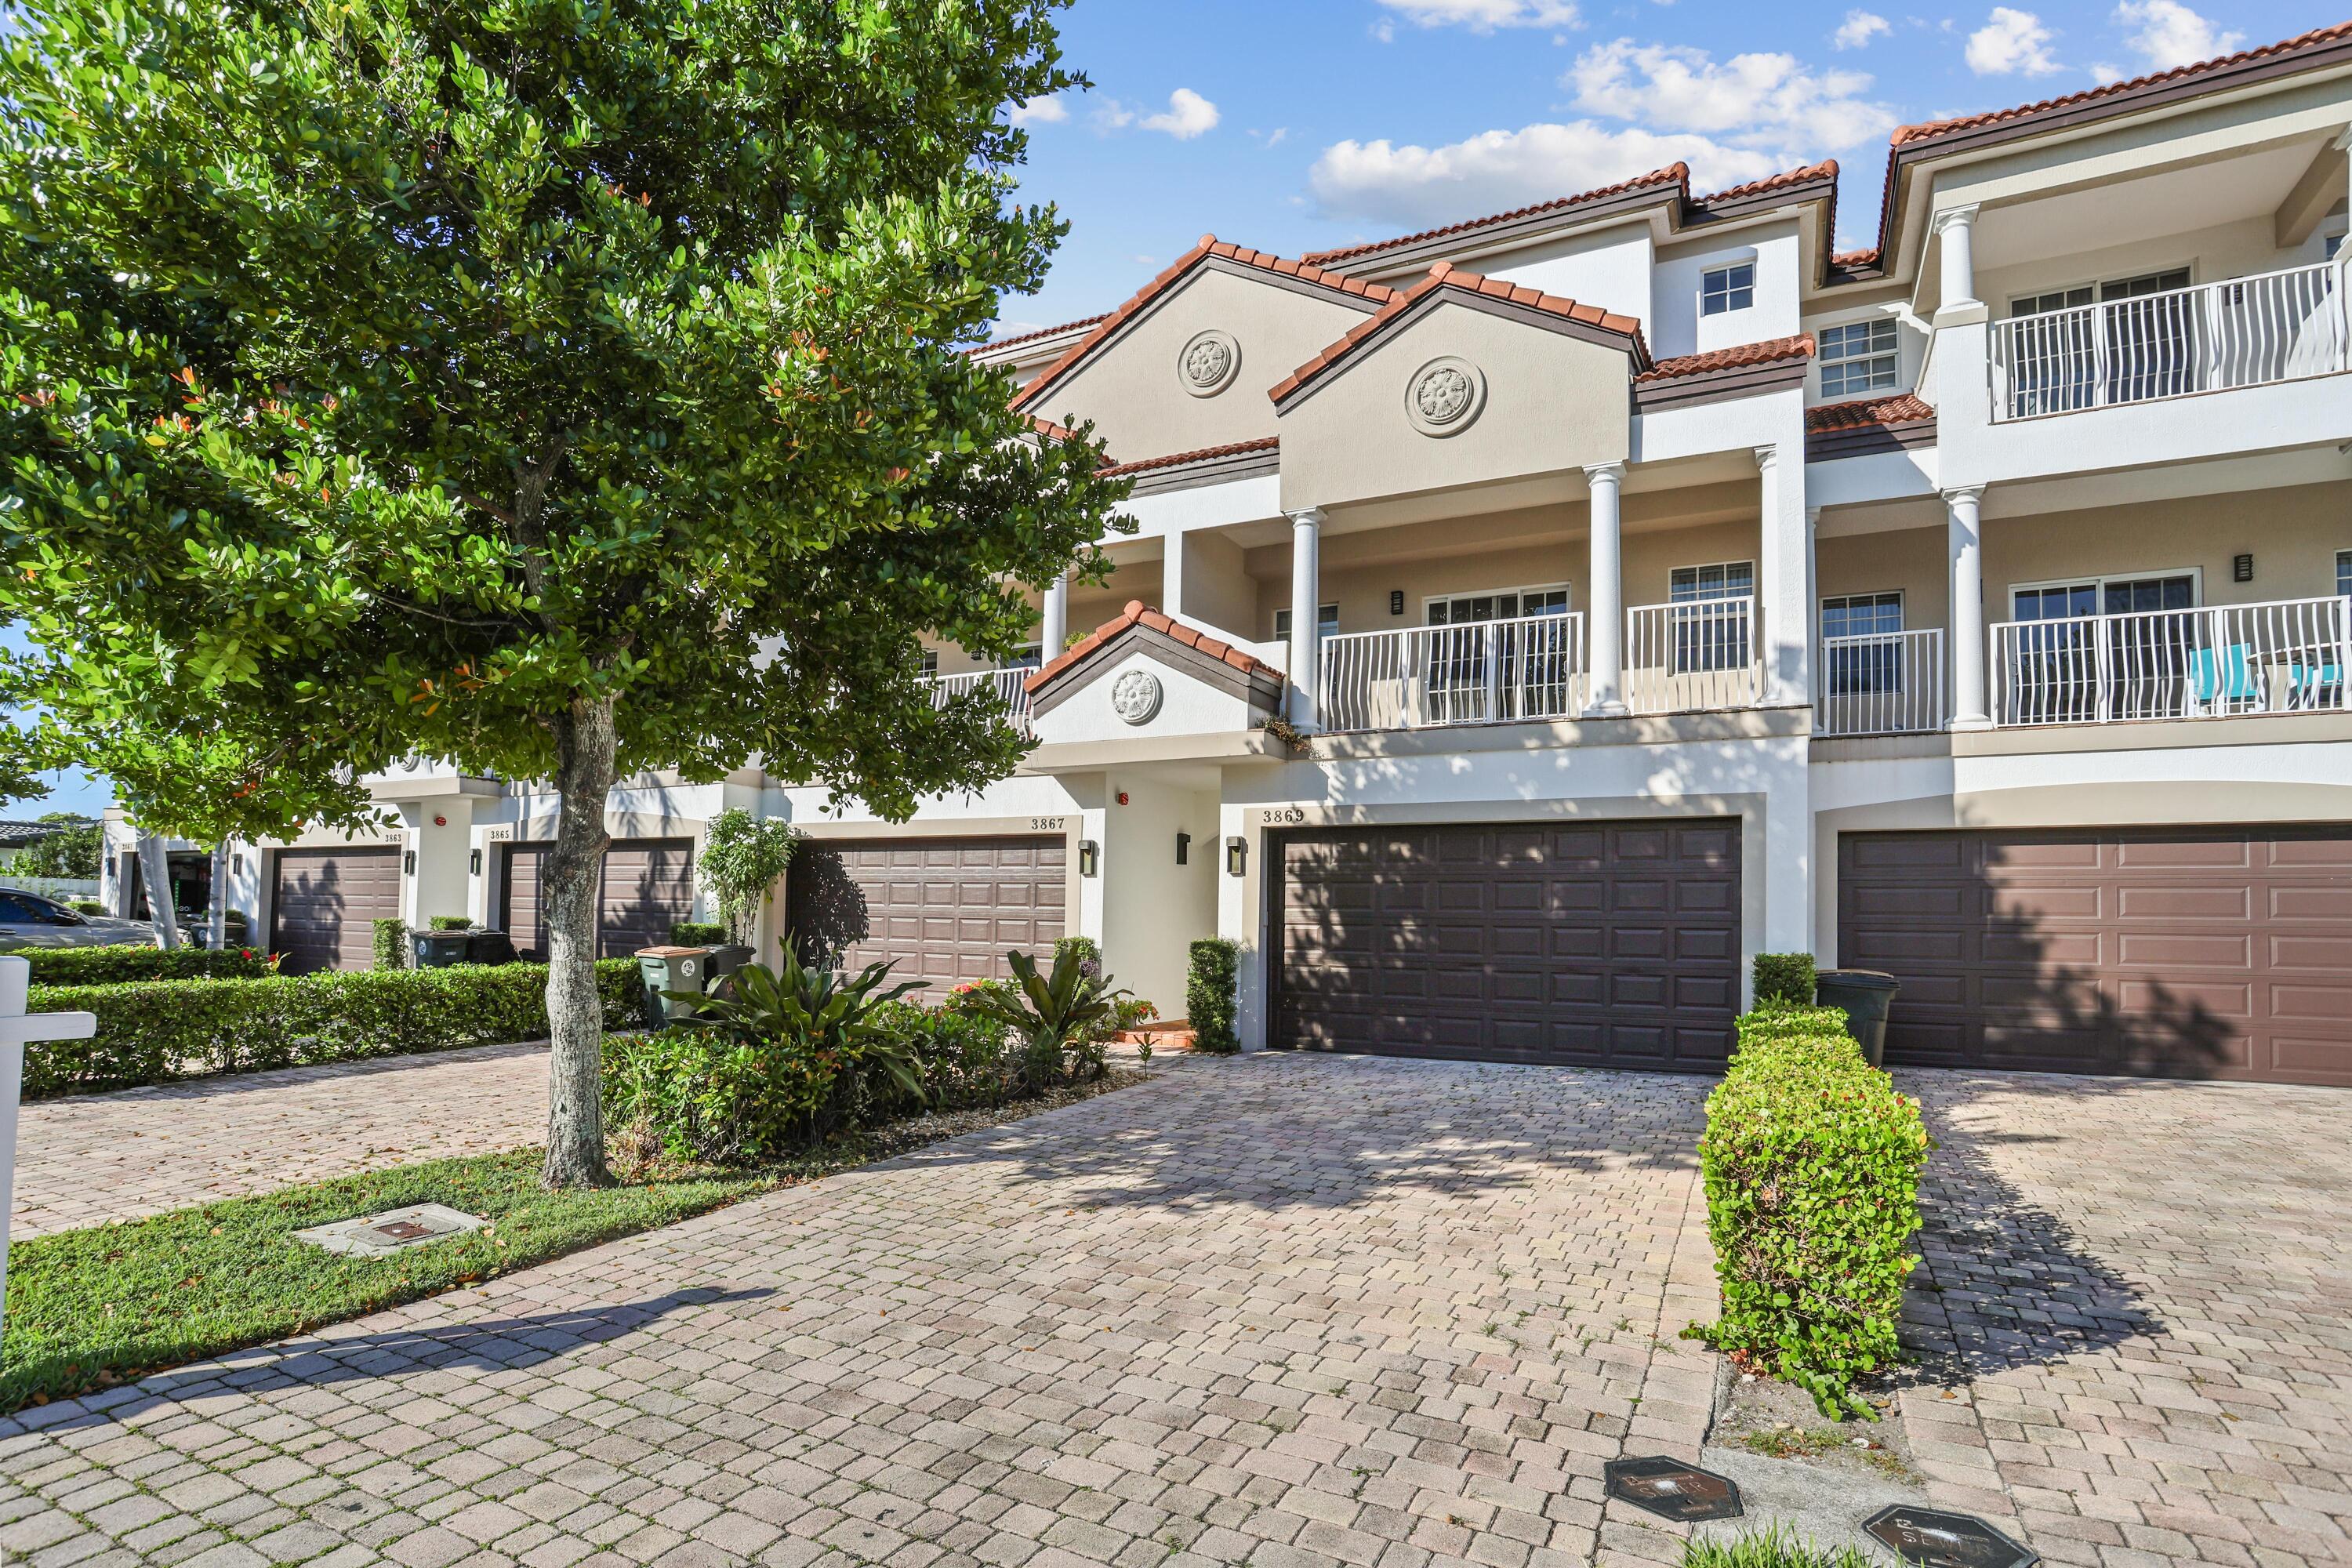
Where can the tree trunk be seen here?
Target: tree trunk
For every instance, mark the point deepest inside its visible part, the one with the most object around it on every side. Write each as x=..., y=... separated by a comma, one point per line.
x=568, y=882
x=219, y=939
x=155, y=871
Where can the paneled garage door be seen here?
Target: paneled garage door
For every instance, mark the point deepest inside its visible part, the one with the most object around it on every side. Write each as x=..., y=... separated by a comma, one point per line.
x=648, y=887
x=1605, y=944
x=944, y=910
x=323, y=909
x=2173, y=953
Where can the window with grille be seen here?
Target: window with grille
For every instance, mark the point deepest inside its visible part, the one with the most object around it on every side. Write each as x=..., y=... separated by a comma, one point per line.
x=1327, y=622
x=1708, y=634
x=1859, y=357
x=1863, y=667
x=1722, y=289
x=2344, y=571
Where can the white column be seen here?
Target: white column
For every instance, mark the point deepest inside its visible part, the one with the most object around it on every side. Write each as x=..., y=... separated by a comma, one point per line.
x=1605, y=595
x=1780, y=578
x=1957, y=226
x=1305, y=622
x=1963, y=533
x=1056, y=615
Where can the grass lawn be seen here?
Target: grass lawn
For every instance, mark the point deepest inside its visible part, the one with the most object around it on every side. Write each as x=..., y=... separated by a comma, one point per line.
x=88, y=1309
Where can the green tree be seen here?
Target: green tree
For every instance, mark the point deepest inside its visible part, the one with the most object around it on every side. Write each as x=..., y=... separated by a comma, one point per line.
x=72, y=851
x=501, y=381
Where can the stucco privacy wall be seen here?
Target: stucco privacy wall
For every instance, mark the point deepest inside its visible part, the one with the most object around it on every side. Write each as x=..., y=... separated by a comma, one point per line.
x=1130, y=388
x=1153, y=908
x=1553, y=404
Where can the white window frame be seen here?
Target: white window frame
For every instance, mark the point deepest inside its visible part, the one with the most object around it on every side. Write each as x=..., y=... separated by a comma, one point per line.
x=1028, y=656
x=1326, y=620
x=1901, y=608
x=2099, y=581
x=2343, y=573
x=1893, y=354
x=1723, y=268
x=1698, y=566
x=1887, y=668
x=930, y=662
x=2097, y=286
x=1568, y=605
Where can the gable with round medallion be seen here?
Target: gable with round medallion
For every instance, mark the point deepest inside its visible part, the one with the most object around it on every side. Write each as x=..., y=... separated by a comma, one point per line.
x=1445, y=397
x=1208, y=362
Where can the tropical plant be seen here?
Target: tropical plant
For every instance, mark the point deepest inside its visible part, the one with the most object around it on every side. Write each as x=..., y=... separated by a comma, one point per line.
x=561, y=390
x=72, y=851
x=1053, y=1013
x=742, y=858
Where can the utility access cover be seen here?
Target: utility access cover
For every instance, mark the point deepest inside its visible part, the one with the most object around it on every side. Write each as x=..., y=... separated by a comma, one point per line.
x=390, y=1231
x=1934, y=1539
x=1672, y=1488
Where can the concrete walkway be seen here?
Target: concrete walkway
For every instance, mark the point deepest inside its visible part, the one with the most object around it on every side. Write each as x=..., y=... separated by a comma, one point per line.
x=1281, y=1310
x=89, y=1158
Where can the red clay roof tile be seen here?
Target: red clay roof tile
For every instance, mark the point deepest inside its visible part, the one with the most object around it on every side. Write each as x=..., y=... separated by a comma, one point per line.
x=1136, y=613
x=1672, y=174
x=1903, y=408
x=1767, y=353
x=1033, y=334
x=1209, y=245
x=1827, y=169
x=1200, y=455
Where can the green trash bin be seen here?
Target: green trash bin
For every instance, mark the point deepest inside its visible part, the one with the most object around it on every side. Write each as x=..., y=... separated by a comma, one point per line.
x=440, y=949
x=667, y=969
x=1867, y=996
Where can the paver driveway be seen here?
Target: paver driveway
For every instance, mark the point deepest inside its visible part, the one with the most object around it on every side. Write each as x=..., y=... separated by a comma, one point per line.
x=1281, y=1310
x=2151, y=1287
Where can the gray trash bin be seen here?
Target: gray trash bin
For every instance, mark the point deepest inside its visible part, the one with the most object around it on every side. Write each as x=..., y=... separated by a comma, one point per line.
x=1867, y=996
x=489, y=947
x=667, y=969
x=725, y=960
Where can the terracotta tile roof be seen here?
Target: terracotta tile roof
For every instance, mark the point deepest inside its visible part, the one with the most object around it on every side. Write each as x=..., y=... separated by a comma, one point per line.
x=1136, y=615
x=1827, y=169
x=1446, y=276
x=1767, y=353
x=1855, y=257
x=1202, y=455
x=1036, y=332
x=1900, y=410
x=1672, y=174
x=1905, y=135
x=1051, y=431
x=1209, y=245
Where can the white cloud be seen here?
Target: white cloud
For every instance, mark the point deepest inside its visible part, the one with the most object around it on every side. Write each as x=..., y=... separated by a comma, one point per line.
x=2171, y=34
x=1755, y=100
x=2011, y=42
x=1047, y=110
x=1187, y=115
x=1485, y=15
x=1413, y=186
x=1858, y=29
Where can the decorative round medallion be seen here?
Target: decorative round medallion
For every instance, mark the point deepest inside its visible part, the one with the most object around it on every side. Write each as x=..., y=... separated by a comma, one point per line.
x=1444, y=397
x=1135, y=696
x=1209, y=363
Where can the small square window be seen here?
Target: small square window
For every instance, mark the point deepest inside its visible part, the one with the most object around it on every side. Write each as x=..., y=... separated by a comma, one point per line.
x=930, y=661
x=1327, y=622
x=1858, y=357
x=2344, y=573
x=1728, y=580
x=1722, y=289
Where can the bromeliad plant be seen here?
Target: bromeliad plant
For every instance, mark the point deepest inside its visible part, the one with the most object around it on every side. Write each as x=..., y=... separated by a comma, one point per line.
x=756, y=1071
x=1054, y=1013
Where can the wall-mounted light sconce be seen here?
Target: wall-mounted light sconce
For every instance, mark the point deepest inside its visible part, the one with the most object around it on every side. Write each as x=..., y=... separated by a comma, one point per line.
x=2242, y=568
x=1089, y=857
x=474, y=864
x=237, y=864
x=1183, y=849
x=1396, y=601
x=408, y=862
x=1237, y=857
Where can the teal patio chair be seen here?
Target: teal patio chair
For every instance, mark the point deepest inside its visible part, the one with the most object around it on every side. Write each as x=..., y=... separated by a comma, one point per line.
x=2224, y=677
x=2315, y=685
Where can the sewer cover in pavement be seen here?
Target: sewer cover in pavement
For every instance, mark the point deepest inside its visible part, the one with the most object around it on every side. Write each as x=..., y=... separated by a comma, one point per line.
x=390, y=1231
x=1934, y=1539
x=1672, y=1488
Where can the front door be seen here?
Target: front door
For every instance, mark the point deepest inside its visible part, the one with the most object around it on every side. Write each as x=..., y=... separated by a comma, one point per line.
x=2071, y=667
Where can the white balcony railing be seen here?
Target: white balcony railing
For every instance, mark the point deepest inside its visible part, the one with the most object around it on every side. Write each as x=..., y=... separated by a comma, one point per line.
x=2280, y=657
x=2247, y=331
x=1881, y=683
x=1693, y=655
x=1007, y=684
x=1478, y=673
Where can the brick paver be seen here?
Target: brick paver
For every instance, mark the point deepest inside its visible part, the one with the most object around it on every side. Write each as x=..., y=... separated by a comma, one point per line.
x=85, y=1159
x=1276, y=1310
x=2151, y=1285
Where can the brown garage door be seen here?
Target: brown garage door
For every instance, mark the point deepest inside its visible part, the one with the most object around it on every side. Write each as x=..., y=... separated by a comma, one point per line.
x=2171, y=952
x=944, y=910
x=324, y=907
x=648, y=887
x=1606, y=944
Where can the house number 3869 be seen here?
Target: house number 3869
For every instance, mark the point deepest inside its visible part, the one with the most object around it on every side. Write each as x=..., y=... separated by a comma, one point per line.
x=1282, y=816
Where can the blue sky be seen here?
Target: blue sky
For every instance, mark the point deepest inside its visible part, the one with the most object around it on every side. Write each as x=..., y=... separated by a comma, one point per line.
x=1297, y=125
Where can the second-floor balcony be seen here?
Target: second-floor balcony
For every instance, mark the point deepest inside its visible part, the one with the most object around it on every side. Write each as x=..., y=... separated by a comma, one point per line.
x=2285, y=657
x=1008, y=687
x=2246, y=331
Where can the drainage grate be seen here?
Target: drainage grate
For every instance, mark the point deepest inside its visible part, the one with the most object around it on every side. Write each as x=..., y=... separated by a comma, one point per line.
x=1672, y=1488
x=1933, y=1540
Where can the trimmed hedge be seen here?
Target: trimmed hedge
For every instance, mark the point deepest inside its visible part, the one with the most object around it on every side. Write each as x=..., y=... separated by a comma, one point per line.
x=127, y=964
x=390, y=937
x=153, y=1031
x=698, y=933
x=449, y=922
x=1209, y=994
x=1784, y=979
x=1812, y=1163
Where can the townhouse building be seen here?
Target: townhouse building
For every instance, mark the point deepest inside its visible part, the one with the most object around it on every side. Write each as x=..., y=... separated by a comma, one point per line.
x=1528, y=621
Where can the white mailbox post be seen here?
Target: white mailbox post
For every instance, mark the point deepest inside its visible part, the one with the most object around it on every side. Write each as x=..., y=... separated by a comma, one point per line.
x=17, y=1027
